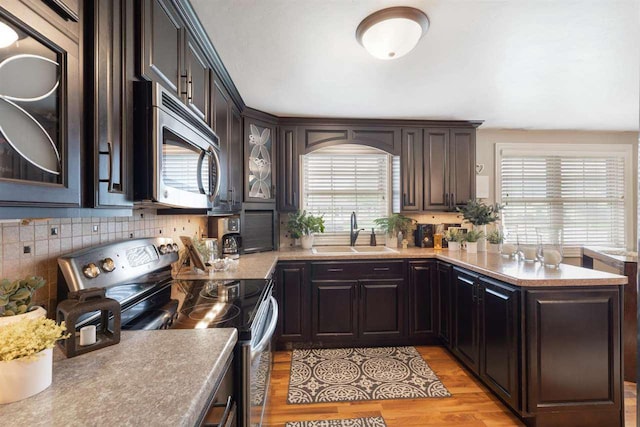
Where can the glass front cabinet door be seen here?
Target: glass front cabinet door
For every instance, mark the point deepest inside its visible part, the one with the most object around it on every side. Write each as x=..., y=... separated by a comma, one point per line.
x=260, y=139
x=39, y=108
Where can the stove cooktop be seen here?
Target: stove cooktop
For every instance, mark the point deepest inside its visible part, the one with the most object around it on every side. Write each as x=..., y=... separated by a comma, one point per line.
x=218, y=303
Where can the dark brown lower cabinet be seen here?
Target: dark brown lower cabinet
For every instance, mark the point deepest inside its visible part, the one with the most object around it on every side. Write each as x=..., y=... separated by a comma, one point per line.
x=574, y=357
x=422, y=298
x=466, y=342
x=498, y=325
x=334, y=310
x=380, y=308
x=292, y=294
x=444, y=302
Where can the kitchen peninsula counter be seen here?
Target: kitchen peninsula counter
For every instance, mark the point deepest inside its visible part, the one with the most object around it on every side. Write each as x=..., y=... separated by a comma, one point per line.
x=519, y=273
x=159, y=378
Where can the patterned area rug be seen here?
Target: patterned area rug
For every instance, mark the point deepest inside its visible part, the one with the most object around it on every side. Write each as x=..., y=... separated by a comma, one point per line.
x=347, y=374
x=353, y=422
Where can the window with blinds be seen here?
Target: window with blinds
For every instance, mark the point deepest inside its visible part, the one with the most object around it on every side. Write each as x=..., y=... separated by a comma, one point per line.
x=339, y=180
x=582, y=192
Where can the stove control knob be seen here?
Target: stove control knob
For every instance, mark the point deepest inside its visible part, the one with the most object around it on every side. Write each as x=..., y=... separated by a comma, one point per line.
x=108, y=265
x=175, y=247
x=163, y=249
x=91, y=271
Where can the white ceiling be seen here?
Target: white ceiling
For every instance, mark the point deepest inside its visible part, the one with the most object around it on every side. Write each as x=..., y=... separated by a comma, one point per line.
x=530, y=64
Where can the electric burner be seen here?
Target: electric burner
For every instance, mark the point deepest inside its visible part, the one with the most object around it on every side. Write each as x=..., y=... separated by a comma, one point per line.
x=210, y=315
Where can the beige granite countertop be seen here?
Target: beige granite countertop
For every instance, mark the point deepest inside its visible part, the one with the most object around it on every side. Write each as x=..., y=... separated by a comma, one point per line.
x=261, y=265
x=153, y=378
x=610, y=254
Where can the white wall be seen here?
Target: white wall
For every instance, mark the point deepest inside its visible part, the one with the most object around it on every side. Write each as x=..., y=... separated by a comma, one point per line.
x=487, y=138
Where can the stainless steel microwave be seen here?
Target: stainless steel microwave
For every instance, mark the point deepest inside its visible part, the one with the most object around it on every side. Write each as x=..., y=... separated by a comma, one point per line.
x=176, y=155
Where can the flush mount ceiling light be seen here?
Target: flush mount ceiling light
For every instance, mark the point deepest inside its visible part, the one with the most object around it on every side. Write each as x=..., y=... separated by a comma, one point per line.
x=393, y=32
x=8, y=35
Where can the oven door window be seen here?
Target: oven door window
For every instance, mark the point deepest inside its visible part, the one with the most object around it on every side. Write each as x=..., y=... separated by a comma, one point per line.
x=186, y=167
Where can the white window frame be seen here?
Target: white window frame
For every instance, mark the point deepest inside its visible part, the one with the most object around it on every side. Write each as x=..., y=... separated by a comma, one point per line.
x=571, y=149
x=331, y=239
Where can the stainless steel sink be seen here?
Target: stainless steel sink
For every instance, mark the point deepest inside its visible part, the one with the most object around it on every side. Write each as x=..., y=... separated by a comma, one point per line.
x=348, y=250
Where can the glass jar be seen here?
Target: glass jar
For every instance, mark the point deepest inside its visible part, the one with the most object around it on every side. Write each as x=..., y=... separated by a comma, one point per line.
x=550, y=251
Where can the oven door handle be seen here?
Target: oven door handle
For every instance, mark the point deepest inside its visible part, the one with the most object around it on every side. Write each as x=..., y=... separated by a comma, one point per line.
x=270, y=329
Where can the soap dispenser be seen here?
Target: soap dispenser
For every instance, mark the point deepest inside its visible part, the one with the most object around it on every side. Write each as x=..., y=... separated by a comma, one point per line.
x=372, y=240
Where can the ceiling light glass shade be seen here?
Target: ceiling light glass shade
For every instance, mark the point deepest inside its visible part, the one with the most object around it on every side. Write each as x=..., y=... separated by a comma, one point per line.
x=8, y=35
x=393, y=32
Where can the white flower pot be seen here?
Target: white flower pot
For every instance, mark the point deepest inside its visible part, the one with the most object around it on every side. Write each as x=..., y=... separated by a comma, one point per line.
x=494, y=248
x=454, y=246
x=392, y=241
x=33, y=314
x=307, y=241
x=22, y=378
x=471, y=247
x=482, y=243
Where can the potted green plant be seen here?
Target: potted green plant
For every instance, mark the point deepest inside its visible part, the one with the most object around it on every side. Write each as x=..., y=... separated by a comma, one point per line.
x=494, y=241
x=454, y=237
x=26, y=356
x=16, y=299
x=302, y=225
x=480, y=215
x=393, y=225
x=471, y=239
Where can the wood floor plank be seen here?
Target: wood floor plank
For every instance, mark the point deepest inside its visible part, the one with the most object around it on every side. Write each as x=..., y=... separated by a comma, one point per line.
x=471, y=404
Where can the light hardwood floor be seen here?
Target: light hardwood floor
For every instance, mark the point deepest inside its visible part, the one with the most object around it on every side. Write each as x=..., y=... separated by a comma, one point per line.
x=471, y=404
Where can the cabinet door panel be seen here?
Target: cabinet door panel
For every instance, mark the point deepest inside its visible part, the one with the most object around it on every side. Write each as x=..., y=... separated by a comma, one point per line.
x=236, y=169
x=110, y=69
x=260, y=139
x=161, y=48
x=462, y=165
x=435, y=182
x=334, y=309
x=444, y=302
x=411, y=170
x=466, y=344
x=196, y=92
x=422, y=298
x=221, y=121
x=292, y=295
x=499, y=343
x=40, y=111
x=381, y=308
x=288, y=172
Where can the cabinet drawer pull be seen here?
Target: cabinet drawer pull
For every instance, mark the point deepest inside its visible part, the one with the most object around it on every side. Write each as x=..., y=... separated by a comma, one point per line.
x=381, y=269
x=335, y=270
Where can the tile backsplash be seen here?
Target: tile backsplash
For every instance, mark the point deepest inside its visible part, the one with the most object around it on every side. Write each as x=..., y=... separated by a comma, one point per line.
x=31, y=247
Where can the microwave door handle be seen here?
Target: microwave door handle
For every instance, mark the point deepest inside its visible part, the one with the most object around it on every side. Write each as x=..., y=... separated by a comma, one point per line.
x=199, y=172
x=269, y=330
x=215, y=160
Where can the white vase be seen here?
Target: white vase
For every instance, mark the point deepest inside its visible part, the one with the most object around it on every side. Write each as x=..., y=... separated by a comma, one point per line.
x=454, y=246
x=33, y=314
x=307, y=241
x=22, y=378
x=482, y=243
x=471, y=247
x=392, y=241
x=494, y=248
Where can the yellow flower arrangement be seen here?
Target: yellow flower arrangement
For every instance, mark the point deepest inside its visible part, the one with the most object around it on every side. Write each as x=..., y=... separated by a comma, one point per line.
x=27, y=337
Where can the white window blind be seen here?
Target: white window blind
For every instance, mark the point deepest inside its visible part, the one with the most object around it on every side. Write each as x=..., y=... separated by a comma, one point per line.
x=340, y=180
x=581, y=192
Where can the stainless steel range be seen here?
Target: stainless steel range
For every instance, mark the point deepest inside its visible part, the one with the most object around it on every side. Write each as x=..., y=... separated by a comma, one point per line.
x=137, y=273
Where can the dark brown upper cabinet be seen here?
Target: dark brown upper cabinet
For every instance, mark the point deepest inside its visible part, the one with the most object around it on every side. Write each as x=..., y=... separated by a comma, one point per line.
x=161, y=41
x=411, y=170
x=289, y=170
x=259, y=155
x=109, y=75
x=40, y=108
x=437, y=168
x=196, y=91
x=227, y=123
